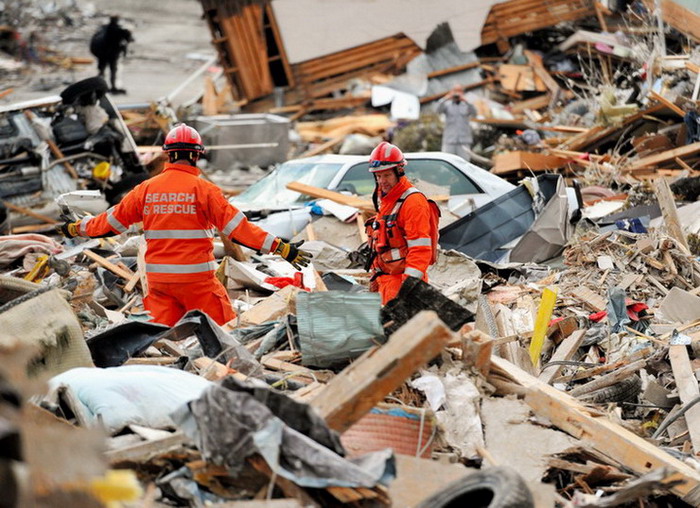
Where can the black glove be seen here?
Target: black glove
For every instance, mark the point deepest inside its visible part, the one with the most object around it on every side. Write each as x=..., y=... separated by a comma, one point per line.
x=293, y=254
x=68, y=229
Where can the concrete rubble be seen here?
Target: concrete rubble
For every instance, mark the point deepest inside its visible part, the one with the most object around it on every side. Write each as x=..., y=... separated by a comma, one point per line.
x=552, y=359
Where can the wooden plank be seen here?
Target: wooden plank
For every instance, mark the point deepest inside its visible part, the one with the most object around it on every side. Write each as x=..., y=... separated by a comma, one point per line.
x=608, y=438
x=565, y=351
x=687, y=385
x=593, y=300
x=30, y=213
x=451, y=70
x=317, y=192
x=116, y=270
x=603, y=369
x=670, y=213
x=542, y=73
x=359, y=387
x=143, y=452
x=288, y=487
x=608, y=379
x=670, y=105
x=133, y=281
x=668, y=155
x=324, y=146
x=599, y=14
x=476, y=351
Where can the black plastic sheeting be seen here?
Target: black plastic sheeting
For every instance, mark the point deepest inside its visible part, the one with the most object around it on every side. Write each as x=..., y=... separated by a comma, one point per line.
x=113, y=347
x=415, y=296
x=116, y=345
x=482, y=233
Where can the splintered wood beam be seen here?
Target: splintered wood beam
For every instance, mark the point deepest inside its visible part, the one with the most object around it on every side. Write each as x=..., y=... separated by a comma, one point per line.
x=30, y=213
x=608, y=438
x=670, y=213
x=668, y=155
x=116, y=270
x=670, y=105
x=359, y=387
x=565, y=351
x=688, y=390
x=318, y=192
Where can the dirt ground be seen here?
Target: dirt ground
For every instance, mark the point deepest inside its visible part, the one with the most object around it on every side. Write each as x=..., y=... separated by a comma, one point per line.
x=171, y=42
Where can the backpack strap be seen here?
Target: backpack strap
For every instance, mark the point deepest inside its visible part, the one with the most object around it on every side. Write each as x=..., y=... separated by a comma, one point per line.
x=399, y=203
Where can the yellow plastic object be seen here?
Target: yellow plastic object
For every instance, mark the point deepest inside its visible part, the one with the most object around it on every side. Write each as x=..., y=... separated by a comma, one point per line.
x=40, y=270
x=115, y=486
x=544, y=315
x=102, y=171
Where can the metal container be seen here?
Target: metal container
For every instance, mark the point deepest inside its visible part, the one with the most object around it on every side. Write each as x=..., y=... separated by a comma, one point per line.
x=245, y=139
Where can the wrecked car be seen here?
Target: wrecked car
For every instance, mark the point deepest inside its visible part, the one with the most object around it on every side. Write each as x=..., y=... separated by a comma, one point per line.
x=468, y=186
x=72, y=142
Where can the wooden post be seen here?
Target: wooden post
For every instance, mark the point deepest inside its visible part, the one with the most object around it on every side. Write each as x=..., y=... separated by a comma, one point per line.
x=565, y=351
x=606, y=437
x=358, y=388
x=688, y=390
x=30, y=213
x=670, y=214
x=476, y=351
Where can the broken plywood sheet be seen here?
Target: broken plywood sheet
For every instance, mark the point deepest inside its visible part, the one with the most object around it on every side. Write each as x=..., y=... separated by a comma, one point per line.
x=520, y=78
x=528, y=446
x=508, y=162
x=331, y=230
x=680, y=306
x=272, y=308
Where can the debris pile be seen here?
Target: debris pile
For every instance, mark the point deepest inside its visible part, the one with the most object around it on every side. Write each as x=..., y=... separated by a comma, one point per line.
x=551, y=359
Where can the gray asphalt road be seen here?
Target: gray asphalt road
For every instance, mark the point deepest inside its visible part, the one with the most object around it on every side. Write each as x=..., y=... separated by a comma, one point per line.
x=171, y=41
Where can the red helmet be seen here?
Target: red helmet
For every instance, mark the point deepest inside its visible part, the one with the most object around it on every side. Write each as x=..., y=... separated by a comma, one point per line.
x=386, y=156
x=183, y=137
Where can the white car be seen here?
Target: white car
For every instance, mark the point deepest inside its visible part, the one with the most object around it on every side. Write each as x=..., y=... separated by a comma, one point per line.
x=469, y=186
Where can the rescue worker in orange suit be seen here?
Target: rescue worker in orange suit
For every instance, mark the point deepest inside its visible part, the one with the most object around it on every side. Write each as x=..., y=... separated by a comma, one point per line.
x=179, y=212
x=400, y=235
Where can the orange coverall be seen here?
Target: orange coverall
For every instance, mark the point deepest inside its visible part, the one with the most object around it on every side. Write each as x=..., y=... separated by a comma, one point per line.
x=401, y=239
x=179, y=212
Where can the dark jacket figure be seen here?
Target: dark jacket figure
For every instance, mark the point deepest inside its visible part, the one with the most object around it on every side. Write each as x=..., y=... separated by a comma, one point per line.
x=108, y=43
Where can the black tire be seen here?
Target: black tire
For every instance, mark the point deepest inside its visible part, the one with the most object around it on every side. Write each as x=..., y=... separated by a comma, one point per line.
x=497, y=487
x=624, y=391
x=73, y=92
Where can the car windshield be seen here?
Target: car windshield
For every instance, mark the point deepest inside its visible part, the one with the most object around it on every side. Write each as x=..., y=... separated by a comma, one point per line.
x=272, y=190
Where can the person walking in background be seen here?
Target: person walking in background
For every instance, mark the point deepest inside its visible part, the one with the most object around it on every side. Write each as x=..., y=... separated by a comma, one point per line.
x=457, y=134
x=108, y=44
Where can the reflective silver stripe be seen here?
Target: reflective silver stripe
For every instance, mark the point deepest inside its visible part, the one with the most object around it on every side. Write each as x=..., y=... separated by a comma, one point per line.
x=178, y=234
x=114, y=222
x=194, y=268
x=233, y=223
x=395, y=254
x=402, y=198
x=83, y=225
x=408, y=192
x=267, y=244
x=419, y=242
x=412, y=272
x=387, y=150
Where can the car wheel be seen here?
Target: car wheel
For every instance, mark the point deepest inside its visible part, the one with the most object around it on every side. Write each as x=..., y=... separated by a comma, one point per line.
x=73, y=92
x=497, y=487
